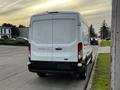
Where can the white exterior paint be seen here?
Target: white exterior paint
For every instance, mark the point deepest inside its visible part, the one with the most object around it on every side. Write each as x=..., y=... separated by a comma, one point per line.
x=63, y=30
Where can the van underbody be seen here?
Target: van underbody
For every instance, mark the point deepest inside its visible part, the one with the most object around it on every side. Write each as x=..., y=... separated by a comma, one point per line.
x=54, y=67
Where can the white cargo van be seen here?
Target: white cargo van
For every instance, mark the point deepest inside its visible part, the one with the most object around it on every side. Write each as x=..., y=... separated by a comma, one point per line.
x=59, y=43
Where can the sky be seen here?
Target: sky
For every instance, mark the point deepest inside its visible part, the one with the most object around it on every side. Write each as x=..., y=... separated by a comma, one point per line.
x=19, y=11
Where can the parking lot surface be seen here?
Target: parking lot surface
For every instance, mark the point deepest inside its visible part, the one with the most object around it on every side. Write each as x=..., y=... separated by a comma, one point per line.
x=14, y=74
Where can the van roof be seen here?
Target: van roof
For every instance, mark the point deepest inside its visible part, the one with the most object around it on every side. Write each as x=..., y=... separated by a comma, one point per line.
x=60, y=12
x=80, y=17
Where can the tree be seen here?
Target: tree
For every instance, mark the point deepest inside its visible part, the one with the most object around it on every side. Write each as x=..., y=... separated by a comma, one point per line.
x=15, y=32
x=22, y=26
x=5, y=37
x=92, y=31
x=7, y=25
x=104, y=31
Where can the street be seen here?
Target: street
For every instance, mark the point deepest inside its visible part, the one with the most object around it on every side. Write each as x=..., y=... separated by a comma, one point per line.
x=14, y=74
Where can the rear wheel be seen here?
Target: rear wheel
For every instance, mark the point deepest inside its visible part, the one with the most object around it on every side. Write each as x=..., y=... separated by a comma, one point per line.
x=82, y=74
x=41, y=74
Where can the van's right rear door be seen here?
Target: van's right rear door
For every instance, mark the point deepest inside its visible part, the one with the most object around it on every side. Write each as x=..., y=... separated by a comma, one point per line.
x=64, y=38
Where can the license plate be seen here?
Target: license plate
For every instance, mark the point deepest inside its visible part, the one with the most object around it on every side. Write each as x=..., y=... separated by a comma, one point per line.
x=63, y=66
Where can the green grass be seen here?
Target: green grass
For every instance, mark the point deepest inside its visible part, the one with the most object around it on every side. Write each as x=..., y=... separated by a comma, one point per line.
x=101, y=78
x=105, y=43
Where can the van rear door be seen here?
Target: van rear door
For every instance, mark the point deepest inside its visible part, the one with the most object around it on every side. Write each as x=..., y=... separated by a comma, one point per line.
x=41, y=43
x=54, y=38
x=64, y=38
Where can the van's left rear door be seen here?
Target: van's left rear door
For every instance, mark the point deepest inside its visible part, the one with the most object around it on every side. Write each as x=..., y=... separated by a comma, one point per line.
x=41, y=44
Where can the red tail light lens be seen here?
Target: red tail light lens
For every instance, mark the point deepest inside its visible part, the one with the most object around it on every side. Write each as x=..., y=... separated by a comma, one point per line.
x=80, y=46
x=80, y=60
x=80, y=51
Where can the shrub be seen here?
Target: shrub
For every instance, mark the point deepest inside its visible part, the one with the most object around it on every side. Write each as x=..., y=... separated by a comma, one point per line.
x=5, y=37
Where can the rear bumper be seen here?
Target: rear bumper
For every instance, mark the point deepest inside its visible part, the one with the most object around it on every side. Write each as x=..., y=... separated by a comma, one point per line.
x=53, y=67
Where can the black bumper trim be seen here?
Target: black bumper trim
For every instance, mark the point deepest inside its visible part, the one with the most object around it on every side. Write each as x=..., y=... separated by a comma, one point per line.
x=52, y=71
x=53, y=67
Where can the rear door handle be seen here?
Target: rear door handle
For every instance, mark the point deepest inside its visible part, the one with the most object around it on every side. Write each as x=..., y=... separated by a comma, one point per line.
x=58, y=48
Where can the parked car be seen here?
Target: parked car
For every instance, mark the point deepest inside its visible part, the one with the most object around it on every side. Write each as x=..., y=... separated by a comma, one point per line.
x=59, y=43
x=22, y=40
x=109, y=38
x=94, y=41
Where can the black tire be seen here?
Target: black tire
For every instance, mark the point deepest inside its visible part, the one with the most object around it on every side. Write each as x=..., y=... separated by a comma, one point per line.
x=41, y=74
x=83, y=74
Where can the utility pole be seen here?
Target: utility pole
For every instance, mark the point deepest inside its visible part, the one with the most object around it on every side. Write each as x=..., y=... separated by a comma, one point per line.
x=115, y=70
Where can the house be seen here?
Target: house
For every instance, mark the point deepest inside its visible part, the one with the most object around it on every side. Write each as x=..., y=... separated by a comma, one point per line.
x=5, y=31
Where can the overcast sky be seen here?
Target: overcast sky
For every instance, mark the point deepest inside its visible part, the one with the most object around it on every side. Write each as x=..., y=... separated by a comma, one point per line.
x=19, y=11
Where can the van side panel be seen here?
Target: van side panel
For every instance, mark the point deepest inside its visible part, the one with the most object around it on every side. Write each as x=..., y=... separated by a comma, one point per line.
x=86, y=41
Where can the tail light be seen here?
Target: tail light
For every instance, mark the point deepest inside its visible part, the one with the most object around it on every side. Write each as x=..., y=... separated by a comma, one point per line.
x=80, y=52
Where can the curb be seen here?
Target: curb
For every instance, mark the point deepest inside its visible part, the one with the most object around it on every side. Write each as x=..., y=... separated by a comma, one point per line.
x=89, y=82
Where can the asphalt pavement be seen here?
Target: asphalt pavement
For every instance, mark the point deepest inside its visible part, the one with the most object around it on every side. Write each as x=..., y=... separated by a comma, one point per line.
x=14, y=74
